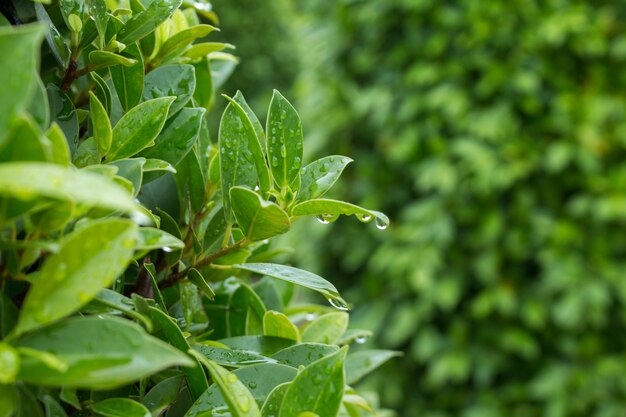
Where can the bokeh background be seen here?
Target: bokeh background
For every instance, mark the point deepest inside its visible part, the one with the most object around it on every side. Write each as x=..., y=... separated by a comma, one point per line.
x=493, y=134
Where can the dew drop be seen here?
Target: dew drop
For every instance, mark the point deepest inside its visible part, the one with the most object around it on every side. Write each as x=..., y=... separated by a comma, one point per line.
x=167, y=249
x=322, y=220
x=252, y=385
x=381, y=224
x=310, y=317
x=283, y=151
x=338, y=303
x=364, y=217
x=360, y=340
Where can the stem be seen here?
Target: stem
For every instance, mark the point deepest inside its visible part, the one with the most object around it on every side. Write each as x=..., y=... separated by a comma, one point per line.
x=70, y=75
x=178, y=276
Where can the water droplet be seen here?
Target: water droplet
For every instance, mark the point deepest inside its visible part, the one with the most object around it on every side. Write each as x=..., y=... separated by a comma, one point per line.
x=274, y=161
x=330, y=217
x=283, y=151
x=256, y=188
x=244, y=404
x=364, y=217
x=252, y=384
x=167, y=249
x=381, y=224
x=310, y=317
x=360, y=340
x=322, y=220
x=232, y=378
x=338, y=303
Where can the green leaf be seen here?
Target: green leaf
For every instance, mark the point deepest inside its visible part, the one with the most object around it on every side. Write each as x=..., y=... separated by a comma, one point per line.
x=271, y=406
x=319, y=176
x=144, y=22
x=132, y=170
x=245, y=312
x=201, y=50
x=354, y=335
x=98, y=11
x=203, y=94
x=176, y=139
x=154, y=165
x=100, y=352
x=162, y=395
x=101, y=250
x=103, y=92
x=128, y=80
x=8, y=400
x=299, y=277
x=328, y=210
x=257, y=218
x=87, y=154
x=29, y=180
x=231, y=357
x=181, y=39
x=63, y=112
x=59, y=149
x=19, y=48
x=149, y=238
x=196, y=379
x=196, y=277
x=318, y=388
x=361, y=363
x=303, y=354
x=326, y=329
x=120, y=407
x=171, y=80
x=264, y=345
x=53, y=408
x=138, y=128
x=24, y=142
x=277, y=324
x=284, y=142
x=102, y=131
x=107, y=59
x=58, y=46
x=9, y=363
x=39, y=108
x=241, y=157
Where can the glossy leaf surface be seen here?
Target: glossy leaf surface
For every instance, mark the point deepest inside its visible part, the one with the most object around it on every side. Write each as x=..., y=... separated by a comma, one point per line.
x=284, y=141
x=257, y=218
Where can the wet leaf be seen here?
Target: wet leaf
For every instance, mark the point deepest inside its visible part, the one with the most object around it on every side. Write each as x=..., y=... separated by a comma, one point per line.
x=102, y=131
x=231, y=357
x=146, y=21
x=319, y=176
x=277, y=324
x=129, y=80
x=303, y=354
x=171, y=81
x=361, y=363
x=328, y=210
x=326, y=329
x=107, y=59
x=120, y=407
x=258, y=219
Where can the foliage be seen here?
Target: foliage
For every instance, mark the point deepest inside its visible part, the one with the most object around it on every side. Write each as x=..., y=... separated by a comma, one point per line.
x=493, y=133
x=135, y=268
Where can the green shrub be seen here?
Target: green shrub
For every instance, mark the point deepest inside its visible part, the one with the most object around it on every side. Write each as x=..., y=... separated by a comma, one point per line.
x=493, y=133
x=135, y=266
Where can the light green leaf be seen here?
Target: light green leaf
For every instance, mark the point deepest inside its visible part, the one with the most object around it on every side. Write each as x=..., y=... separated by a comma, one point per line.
x=24, y=142
x=98, y=11
x=100, y=353
x=284, y=142
x=149, y=238
x=9, y=363
x=128, y=80
x=102, y=131
x=153, y=165
x=277, y=324
x=354, y=335
x=231, y=357
x=120, y=407
x=264, y=345
x=53, y=408
x=162, y=395
x=19, y=48
x=326, y=329
x=257, y=218
x=318, y=388
x=258, y=128
x=303, y=354
x=299, y=277
x=201, y=50
x=144, y=22
x=59, y=149
x=196, y=277
x=361, y=363
x=181, y=39
x=329, y=210
x=107, y=59
x=271, y=406
x=101, y=250
x=319, y=176
x=103, y=92
x=30, y=180
x=171, y=80
x=138, y=128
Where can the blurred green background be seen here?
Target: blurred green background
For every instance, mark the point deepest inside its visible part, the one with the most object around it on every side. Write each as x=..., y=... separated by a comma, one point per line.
x=493, y=134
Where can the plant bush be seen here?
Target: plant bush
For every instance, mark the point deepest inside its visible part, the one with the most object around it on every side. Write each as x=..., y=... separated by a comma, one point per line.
x=493, y=132
x=135, y=266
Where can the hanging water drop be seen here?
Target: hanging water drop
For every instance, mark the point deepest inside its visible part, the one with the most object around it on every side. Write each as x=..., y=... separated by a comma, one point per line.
x=167, y=249
x=322, y=220
x=310, y=317
x=364, y=218
x=338, y=303
x=381, y=224
x=360, y=340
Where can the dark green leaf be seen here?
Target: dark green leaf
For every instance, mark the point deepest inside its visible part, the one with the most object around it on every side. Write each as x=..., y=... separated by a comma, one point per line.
x=63, y=112
x=149, y=238
x=162, y=395
x=303, y=354
x=87, y=154
x=100, y=250
x=318, y=388
x=99, y=353
x=53, y=408
x=144, y=22
x=129, y=80
x=138, y=128
x=299, y=277
x=196, y=277
x=361, y=363
x=132, y=170
x=231, y=357
x=103, y=92
x=171, y=80
x=271, y=406
x=258, y=219
x=58, y=46
x=8, y=400
x=98, y=11
x=120, y=407
x=203, y=93
x=39, y=107
x=284, y=142
x=264, y=345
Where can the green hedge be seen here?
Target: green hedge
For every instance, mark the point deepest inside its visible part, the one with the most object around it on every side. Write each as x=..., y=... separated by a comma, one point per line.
x=494, y=134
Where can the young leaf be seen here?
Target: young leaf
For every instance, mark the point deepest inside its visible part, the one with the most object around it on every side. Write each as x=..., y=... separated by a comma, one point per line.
x=107, y=59
x=181, y=39
x=299, y=277
x=361, y=363
x=284, y=142
x=102, y=131
x=279, y=325
x=303, y=354
x=59, y=150
x=171, y=80
x=318, y=388
x=319, y=176
x=146, y=21
x=240, y=401
x=138, y=128
x=120, y=407
x=100, y=250
x=201, y=50
x=103, y=92
x=9, y=363
x=258, y=219
x=128, y=80
x=149, y=238
x=99, y=353
x=326, y=329
x=328, y=210
x=258, y=129
x=98, y=10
